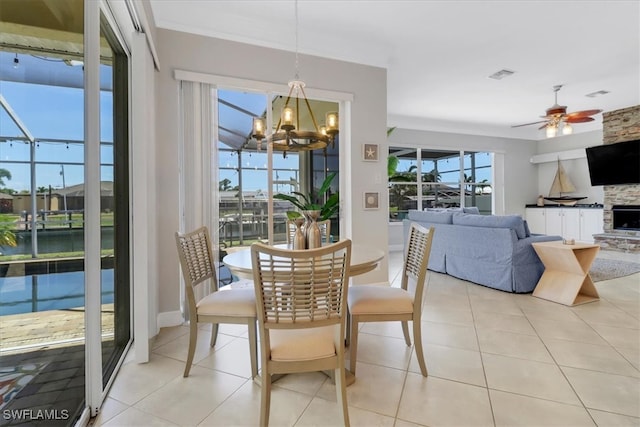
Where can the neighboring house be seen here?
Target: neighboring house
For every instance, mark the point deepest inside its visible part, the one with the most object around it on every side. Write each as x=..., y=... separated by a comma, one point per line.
x=6, y=203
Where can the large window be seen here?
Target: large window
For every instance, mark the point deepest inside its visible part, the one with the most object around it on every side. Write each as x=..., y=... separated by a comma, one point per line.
x=243, y=180
x=424, y=178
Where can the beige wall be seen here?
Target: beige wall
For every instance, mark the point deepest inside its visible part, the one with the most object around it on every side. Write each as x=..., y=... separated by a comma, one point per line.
x=188, y=52
x=23, y=203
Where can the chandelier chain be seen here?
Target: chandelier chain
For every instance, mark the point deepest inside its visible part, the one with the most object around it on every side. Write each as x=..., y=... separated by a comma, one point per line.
x=297, y=76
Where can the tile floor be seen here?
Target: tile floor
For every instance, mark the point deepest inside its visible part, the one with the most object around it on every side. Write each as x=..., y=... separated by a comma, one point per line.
x=494, y=359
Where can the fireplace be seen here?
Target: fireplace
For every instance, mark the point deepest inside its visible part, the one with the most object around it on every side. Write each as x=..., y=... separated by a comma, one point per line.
x=626, y=217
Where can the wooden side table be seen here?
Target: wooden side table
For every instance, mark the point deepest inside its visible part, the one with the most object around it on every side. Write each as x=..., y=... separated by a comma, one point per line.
x=566, y=277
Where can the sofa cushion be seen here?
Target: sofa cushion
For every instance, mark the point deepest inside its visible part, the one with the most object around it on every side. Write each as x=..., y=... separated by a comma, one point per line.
x=471, y=210
x=515, y=222
x=433, y=217
x=527, y=232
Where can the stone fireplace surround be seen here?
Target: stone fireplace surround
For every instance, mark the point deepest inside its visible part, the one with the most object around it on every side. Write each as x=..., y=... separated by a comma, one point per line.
x=619, y=126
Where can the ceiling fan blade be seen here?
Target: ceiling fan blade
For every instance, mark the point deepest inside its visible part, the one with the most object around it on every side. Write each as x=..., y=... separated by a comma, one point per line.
x=584, y=119
x=543, y=126
x=527, y=124
x=583, y=113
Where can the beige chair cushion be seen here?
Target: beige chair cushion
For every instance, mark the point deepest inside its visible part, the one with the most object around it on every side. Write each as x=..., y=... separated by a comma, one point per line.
x=302, y=344
x=369, y=299
x=229, y=302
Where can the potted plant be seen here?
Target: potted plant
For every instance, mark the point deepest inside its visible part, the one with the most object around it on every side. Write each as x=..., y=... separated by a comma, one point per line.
x=313, y=201
x=313, y=209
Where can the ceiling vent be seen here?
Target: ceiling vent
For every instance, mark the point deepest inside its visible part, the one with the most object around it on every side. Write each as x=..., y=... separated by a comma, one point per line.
x=598, y=93
x=499, y=75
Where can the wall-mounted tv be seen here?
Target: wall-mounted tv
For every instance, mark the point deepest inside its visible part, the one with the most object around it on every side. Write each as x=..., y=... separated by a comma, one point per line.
x=617, y=163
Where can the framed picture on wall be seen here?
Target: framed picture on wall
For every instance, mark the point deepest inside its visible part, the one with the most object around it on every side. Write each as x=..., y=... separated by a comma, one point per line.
x=371, y=200
x=370, y=152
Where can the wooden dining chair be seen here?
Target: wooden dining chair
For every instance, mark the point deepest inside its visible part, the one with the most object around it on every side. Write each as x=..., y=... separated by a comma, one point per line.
x=370, y=303
x=219, y=306
x=325, y=230
x=301, y=300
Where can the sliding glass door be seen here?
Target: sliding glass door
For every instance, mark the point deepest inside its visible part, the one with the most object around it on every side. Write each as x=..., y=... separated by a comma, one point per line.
x=43, y=212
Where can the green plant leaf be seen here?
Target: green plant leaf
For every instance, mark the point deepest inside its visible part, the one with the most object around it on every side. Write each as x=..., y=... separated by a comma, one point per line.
x=326, y=184
x=392, y=165
x=293, y=215
x=330, y=207
x=291, y=199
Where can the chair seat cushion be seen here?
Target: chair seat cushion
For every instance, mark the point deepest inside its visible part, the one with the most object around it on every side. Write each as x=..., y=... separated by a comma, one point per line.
x=229, y=302
x=369, y=299
x=302, y=344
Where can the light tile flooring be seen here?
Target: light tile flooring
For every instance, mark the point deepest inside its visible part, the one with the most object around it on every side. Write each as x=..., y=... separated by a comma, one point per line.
x=494, y=359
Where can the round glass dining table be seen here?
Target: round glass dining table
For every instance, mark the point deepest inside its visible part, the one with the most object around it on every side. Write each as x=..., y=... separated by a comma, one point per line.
x=363, y=260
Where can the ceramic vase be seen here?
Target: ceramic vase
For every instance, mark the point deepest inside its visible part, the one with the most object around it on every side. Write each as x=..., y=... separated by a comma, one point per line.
x=312, y=230
x=299, y=240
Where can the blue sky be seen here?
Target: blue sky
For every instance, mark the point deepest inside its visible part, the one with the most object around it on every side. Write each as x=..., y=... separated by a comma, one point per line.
x=49, y=112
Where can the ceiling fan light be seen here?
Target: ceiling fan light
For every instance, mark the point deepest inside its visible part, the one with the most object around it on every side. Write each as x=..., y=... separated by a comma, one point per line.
x=552, y=131
x=567, y=129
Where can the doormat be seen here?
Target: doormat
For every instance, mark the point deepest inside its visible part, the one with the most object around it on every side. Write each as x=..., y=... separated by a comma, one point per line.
x=607, y=269
x=15, y=378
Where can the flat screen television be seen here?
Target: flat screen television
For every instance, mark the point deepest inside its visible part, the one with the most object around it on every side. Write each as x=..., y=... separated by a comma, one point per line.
x=617, y=163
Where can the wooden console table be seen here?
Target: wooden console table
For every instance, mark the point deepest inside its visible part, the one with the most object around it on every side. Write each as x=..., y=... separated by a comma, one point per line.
x=566, y=277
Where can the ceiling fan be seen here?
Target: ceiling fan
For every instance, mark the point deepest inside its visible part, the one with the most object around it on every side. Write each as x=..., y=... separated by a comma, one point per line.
x=557, y=115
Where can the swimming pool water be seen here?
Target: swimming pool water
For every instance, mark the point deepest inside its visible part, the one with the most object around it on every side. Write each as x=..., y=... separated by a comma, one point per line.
x=42, y=292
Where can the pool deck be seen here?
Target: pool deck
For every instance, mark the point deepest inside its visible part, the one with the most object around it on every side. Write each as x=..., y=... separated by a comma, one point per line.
x=47, y=329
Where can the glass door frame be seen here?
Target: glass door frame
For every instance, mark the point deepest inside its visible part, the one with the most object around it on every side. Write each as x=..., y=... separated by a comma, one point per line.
x=97, y=384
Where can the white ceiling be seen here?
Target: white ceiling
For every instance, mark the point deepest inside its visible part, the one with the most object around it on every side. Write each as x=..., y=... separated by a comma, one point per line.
x=439, y=54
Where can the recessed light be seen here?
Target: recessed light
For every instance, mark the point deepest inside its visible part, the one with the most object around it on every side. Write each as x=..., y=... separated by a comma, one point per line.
x=598, y=93
x=499, y=75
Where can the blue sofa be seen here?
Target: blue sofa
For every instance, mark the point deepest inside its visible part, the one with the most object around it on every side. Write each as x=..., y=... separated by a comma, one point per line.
x=490, y=250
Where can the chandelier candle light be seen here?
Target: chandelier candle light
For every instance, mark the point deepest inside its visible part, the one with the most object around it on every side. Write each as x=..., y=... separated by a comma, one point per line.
x=288, y=135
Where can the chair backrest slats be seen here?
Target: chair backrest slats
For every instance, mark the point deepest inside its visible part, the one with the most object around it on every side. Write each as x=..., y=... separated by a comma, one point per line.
x=301, y=286
x=196, y=257
x=417, y=258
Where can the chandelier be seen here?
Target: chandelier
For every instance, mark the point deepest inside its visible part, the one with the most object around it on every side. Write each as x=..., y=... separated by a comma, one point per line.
x=289, y=136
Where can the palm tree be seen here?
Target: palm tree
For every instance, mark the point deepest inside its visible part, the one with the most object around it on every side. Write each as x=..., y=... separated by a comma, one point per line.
x=224, y=185
x=7, y=236
x=4, y=173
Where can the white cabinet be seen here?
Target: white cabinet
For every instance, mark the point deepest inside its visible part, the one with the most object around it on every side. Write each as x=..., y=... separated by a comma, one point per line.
x=563, y=222
x=579, y=224
x=536, y=220
x=591, y=222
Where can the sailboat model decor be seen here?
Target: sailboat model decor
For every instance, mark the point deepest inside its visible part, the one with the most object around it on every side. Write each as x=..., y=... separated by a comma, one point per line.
x=562, y=184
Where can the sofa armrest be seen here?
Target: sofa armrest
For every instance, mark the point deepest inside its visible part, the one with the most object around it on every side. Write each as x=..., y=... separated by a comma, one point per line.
x=524, y=252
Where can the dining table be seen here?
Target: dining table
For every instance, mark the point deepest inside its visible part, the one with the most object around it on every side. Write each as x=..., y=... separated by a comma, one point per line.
x=363, y=260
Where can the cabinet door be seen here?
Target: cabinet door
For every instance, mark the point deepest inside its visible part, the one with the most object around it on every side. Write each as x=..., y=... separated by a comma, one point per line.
x=553, y=221
x=591, y=222
x=571, y=223
x=535, y=220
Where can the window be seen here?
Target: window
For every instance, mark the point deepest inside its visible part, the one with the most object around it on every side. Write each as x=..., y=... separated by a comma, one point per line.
x=425, y=178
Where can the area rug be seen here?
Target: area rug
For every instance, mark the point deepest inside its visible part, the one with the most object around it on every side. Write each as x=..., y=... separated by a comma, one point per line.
x=15, y=378
x=607, y=269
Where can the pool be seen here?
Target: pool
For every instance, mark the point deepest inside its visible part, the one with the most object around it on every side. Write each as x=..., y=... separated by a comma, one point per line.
x=53, y=291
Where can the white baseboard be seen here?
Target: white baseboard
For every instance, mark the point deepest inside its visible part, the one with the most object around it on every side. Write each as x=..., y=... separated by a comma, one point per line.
x=170, y=318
